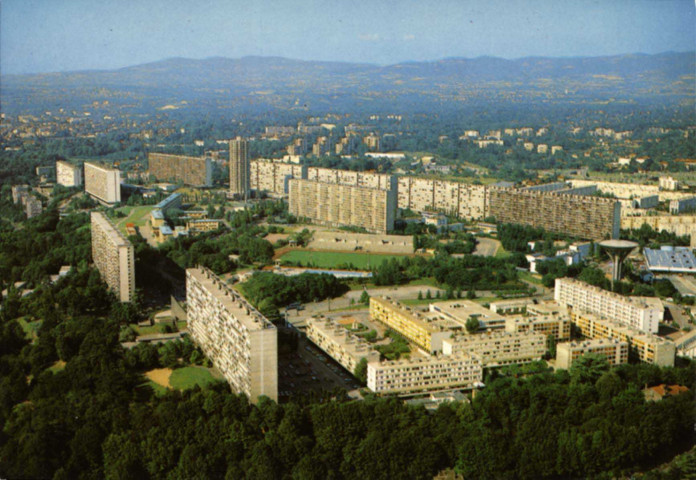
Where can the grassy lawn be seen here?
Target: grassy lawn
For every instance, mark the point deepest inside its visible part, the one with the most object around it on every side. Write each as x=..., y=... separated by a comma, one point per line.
x=188, y=377
x=135, y=215
x=159, y=389
x=530, y=277
x=334, y=259
x=30, y=328
x=57, y=367
x=502, y=253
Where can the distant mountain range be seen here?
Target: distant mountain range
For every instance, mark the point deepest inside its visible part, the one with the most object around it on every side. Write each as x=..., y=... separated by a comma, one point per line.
x=281, y=83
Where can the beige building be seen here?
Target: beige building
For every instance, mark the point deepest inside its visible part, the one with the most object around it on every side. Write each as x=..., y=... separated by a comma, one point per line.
x=67, y=174
x=581, y=216
x=425, y=331
x=32, y=206
x=239, y=340
x=372, y=142
x=424, y=374
x=645, y=347
x=455, y=198
x=642, y=313
x=240, y=174
x=272, y=177
x=103, y=183
x=340, y=205
x=614, y=351
x=321, y=147
x=203, y=225
x=195, y=171
x=113, y=256
x=340, y=344
x=496, y=349
x=459, y=311
x=557, y=326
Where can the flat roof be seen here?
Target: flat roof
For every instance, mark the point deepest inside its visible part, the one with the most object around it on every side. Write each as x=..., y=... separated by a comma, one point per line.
x=231, y=300
x=673, y=259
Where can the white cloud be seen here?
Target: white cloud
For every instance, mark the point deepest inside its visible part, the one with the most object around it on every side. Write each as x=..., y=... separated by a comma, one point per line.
x=370, y=37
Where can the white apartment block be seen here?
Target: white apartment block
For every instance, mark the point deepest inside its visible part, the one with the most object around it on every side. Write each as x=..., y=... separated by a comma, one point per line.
x=103, y=183
x=498, y=348
x=644, y=347
x=341, y=205
x=614, y=351
x=340, y=344
x=113, y=256
x=238, y=339
x=643, y=313
x=424, y=374
x=67, y=174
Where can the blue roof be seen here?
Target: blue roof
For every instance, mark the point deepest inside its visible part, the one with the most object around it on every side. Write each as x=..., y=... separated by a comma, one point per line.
x=157, y=214
x=165, y=230
x=670, y=259
x=171, y=198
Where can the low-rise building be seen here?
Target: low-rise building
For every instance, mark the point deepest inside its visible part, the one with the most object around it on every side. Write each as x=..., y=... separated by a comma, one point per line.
x=424, y=374
x=557, y=326
x=340, y=344
x=496, y=349
x=203, y=225
x=644, y=347
x=32, y=206
x=614, y=351
x=459, y=311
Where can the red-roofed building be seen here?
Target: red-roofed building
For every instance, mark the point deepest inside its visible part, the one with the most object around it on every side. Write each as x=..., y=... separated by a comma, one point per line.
x=658, y=392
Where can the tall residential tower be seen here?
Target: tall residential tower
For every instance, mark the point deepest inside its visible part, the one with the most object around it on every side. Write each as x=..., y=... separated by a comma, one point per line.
x=239, y=168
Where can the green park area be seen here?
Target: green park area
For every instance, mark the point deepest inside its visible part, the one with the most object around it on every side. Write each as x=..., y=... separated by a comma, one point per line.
x=362, y=261
x=188, y=377
x=134, y=215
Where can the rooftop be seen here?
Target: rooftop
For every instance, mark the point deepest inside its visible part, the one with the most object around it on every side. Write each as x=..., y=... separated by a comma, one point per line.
x=670, y=259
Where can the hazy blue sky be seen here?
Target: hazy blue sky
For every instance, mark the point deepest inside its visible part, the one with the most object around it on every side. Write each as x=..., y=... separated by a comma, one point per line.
x=60, y=35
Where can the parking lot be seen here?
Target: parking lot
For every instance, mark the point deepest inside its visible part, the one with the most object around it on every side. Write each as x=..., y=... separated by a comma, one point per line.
x=309, y=369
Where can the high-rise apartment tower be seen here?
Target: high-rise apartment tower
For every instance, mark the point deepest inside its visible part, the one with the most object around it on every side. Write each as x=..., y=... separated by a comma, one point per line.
x=239, y=168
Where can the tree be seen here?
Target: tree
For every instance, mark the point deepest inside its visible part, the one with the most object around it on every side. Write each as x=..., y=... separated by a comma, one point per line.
x=588, y=368
x=472, y=324
x=365, y=298
x=360, y=371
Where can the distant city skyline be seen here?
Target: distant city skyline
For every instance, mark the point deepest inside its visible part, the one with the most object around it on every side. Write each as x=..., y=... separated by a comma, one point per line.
x=38, y=36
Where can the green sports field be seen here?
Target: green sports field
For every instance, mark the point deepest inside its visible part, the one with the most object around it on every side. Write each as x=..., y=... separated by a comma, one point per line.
x=362, y=261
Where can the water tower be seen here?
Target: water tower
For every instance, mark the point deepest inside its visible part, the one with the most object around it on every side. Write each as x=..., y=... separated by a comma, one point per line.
x=617, y=250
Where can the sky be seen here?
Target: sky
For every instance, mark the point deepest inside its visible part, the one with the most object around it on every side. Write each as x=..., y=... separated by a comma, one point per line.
x=39, y=36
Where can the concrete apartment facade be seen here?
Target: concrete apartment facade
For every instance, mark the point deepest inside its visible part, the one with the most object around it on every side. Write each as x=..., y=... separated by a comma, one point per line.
x=238, y=339
x=644, y=347
x=558, y=326
x=340, y=205
x=424, y=374
x=240, y=174
x=103, y=183
x=497, y=349
x=614, y=351
x=577, y=215
x=194, y=171
x=642, y=313
x=340, y=344
x=67, y=174
x=113, y=256
x=272, y=177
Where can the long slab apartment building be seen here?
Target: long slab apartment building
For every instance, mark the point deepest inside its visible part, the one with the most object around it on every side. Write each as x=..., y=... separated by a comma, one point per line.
x=194, y=171
x=569, y=211
x=102, y=183
x=239, y=340
x=113, y=256
x=68, y=174
x=641, y=313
